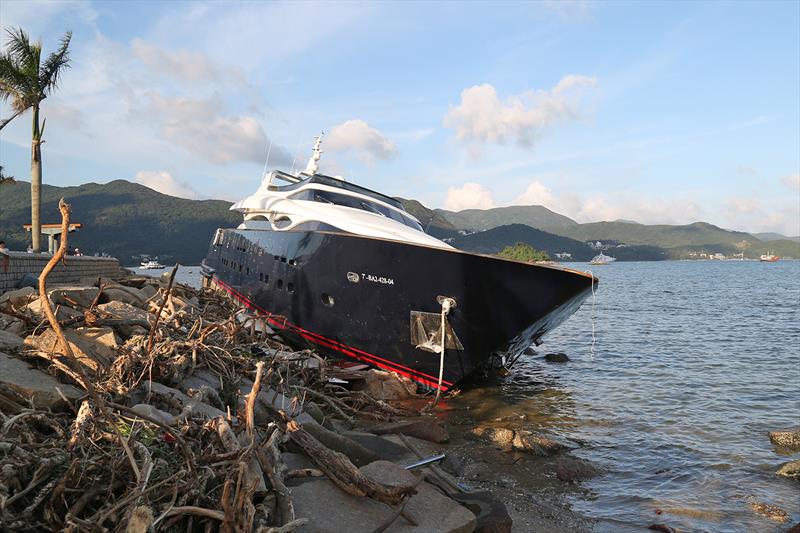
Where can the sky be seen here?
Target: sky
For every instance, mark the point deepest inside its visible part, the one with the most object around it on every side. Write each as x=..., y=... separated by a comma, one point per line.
x=669, y=113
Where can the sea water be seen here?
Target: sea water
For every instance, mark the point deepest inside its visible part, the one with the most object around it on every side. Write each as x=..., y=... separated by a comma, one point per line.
x=693, y=363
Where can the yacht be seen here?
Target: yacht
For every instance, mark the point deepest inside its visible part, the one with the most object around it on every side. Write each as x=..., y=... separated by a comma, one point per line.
x=151, y=265
x=769, y=258
x=602, y=259
x=345, y=270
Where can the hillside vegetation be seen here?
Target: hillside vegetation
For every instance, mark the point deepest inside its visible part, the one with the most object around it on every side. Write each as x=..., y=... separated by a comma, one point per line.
x=523, y=252
x=535, y=216
x=120, y=218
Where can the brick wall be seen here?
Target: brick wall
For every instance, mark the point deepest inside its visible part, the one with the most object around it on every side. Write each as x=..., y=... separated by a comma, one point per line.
x=21, y=263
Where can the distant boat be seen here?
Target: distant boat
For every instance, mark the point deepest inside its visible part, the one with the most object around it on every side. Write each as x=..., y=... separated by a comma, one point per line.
x=602, y=259
x=151, y=265
x=769, y=258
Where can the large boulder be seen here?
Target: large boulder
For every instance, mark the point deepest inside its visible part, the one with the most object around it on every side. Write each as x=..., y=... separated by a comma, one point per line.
x=389, y=386
x=127, y=295
x=95, y=348
x=9, y=341
x=11, y=324
x=62, y=311
x=787, y=438
x=18, y=298
x=73, y=296
x=572, y=470
x=331, y=510
x=135, y=319
x=33, y=384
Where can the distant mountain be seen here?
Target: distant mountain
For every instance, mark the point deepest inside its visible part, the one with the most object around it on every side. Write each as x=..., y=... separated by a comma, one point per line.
x=535, y=216
x=662, y=235
x=494, y=240
x=120, y=218
x=766, y=237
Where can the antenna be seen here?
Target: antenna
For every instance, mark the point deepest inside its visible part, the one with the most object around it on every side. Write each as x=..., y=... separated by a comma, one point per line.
x=266, y=163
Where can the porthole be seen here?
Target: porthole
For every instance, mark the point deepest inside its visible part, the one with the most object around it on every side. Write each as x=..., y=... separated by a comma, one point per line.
x=327, y=299
x=292, y=262
x=279, y=284
x=290, y=287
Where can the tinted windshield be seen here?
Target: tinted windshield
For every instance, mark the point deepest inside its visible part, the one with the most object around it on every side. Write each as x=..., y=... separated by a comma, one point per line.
x=330, y=197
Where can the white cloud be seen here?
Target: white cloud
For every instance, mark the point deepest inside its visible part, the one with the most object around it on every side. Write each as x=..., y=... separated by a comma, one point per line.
x=181, y=64
x=163, y=182
x=792, y=181
x=482, y=117
x=748, y=213
x=468, y=196
x=360, y=137
x=201, y=127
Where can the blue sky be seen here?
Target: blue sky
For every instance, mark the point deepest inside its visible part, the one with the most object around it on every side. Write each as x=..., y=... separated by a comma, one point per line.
x=656, y=112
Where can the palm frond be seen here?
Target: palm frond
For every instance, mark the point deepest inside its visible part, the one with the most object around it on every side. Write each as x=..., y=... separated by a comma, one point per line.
x=13, y=82
x=27, y=55
x=54, y=65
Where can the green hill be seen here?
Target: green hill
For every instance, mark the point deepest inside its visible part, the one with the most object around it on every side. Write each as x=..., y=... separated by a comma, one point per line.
x=680, y=241
x=494, y=240
x=120, y=218
x=534, y=216
x=774, y=237
x=432, y=221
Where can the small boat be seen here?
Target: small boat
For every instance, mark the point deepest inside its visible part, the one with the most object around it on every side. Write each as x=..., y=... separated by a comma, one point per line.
x=347, y=271
x=151, y=265
x=769, y=258
x=602, y=259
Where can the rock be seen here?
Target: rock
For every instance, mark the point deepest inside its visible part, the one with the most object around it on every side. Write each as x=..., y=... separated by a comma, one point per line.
x=790, y=470
x=559, y=357
x=389, y=386
x=96, y=348
x=126, y=295
x=788, y=438
x=296, y=461
x=383, y=448
x=661, y=527
x=357, y=453
x=794, y=529
x=18, y=298
x=425, y=429
x=523, y=441
x=28, y=280
x=331, y=510
x=454, y=465
x=73, y=296
x=148, y=410
x=178, y=401
x=33, y=384
x=123, y=311
x=62, y=312
x=769, y=511
x=148, y=291
x=571, y=470
x=491, y=513
x=9, y=341
x=11, y=324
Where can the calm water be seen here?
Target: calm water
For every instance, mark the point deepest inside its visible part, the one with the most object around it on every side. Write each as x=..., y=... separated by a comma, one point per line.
x=693, y=363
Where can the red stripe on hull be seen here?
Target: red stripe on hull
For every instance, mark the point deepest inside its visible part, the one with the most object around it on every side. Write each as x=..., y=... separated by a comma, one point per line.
x=349, y=351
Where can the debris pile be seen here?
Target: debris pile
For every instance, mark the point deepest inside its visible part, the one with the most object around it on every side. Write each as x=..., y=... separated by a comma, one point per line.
x=138, y=403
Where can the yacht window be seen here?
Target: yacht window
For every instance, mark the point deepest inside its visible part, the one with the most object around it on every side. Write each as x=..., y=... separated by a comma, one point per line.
x=363, y=205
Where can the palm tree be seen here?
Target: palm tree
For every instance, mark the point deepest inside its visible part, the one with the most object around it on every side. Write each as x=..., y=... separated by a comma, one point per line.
x=26, y=81
x=5, y=179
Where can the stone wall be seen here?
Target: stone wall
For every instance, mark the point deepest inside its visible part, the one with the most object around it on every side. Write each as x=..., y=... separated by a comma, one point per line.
x=21, y=263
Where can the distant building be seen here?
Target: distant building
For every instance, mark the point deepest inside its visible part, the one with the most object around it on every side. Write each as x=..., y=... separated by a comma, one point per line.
x=563, y=255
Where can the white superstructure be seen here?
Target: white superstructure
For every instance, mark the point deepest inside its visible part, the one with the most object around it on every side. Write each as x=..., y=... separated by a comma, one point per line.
x=313, y=202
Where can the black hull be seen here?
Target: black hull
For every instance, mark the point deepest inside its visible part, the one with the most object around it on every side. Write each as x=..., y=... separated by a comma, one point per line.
x=359, y=297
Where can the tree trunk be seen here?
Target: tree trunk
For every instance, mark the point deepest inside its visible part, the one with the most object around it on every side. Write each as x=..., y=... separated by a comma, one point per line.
x=36, y=183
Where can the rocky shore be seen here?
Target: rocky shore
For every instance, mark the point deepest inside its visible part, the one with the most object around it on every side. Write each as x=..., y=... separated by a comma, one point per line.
x=145, y=404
